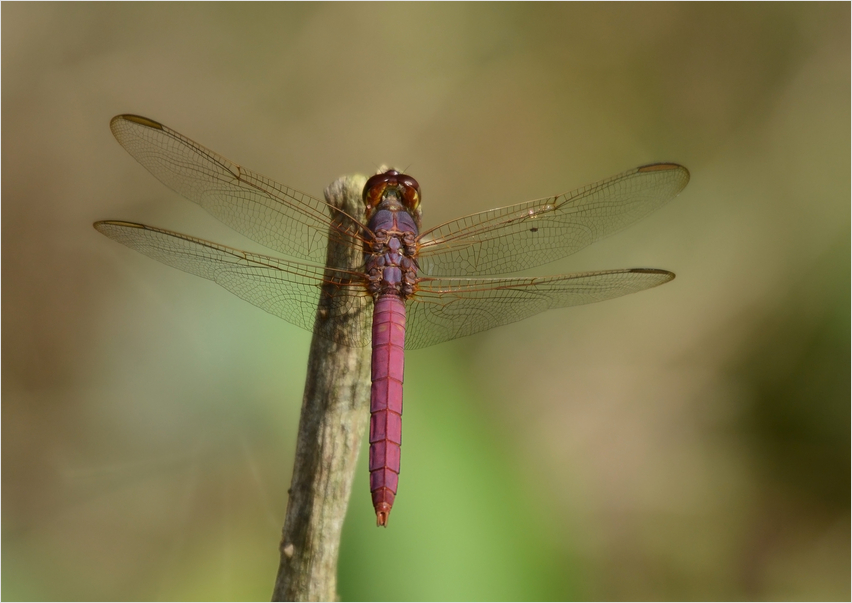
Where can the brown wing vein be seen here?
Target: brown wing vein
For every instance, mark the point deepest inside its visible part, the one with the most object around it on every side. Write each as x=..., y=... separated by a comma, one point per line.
x=289, y=290
x=274, y=215
x=533, y=233
x=446, y=308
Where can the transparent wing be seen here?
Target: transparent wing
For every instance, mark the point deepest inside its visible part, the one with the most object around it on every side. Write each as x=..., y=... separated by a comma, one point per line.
x=289, y=290
x=447, y=308
x=529, y=234
x=274, y=215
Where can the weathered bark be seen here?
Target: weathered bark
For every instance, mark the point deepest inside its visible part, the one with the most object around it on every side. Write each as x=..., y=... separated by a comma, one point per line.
x=334, y=417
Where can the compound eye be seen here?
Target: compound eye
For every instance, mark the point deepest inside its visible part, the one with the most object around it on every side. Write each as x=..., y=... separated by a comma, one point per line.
x=411, y=191
x=409, y=182
x=375, y=187
x=411, y=197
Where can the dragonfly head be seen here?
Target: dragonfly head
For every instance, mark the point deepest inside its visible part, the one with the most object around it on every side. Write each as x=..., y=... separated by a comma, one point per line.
x=395, y=191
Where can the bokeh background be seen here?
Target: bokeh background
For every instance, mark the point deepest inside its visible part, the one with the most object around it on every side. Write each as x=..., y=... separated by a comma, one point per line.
x=690, y=442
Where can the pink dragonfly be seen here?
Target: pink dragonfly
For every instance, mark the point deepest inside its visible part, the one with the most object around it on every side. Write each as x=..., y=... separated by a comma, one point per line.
x=417, y=284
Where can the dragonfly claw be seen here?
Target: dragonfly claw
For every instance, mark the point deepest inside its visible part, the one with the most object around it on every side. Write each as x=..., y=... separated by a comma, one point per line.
x=382, y=513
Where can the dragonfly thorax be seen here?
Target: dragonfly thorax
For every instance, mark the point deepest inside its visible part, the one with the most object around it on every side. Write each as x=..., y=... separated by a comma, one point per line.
x=390, y=261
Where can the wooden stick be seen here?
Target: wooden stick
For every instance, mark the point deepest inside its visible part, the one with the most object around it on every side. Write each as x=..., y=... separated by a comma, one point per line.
x=334, y=416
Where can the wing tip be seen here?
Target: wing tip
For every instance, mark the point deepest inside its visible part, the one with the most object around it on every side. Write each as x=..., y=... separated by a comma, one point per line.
x=669, y=276
x=665, y=166
x=661, y=166
x=102, y=226
x=136, y=119
x=118, y=223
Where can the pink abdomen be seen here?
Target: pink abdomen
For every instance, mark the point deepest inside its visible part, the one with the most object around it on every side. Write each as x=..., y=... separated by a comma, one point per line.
x=386, y=402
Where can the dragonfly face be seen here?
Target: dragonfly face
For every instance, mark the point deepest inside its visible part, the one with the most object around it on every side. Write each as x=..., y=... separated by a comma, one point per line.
x=392, y=190
x=423, y=288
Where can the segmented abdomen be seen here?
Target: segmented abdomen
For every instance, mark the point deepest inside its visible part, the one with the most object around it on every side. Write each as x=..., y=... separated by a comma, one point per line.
x=386, y=402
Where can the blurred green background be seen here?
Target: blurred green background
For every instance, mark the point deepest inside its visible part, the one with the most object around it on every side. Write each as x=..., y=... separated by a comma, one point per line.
x=690, y=442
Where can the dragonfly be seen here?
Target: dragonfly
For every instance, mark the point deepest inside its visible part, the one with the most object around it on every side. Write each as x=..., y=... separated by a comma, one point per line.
x=421, y=287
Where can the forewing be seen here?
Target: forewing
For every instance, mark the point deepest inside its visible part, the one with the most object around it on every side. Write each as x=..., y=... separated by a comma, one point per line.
x=270, y=213
x=446, y=308
x=529, y=234
x=289, y=290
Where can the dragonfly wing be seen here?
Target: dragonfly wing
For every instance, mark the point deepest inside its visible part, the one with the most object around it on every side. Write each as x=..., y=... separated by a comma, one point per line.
x=447, y=308
x=289, y=290
x=272, y=214
x=529, y=234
